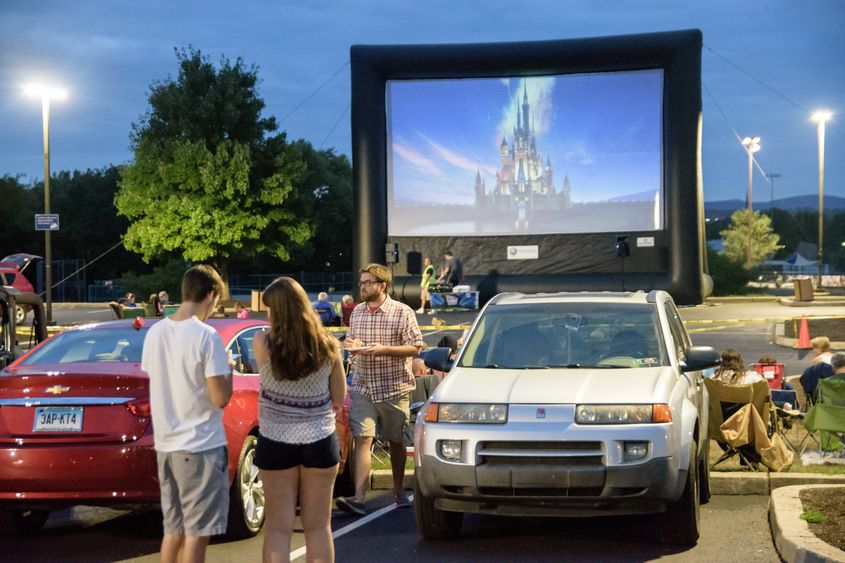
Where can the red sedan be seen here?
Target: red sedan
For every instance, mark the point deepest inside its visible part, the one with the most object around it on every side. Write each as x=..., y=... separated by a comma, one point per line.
x=75, y=427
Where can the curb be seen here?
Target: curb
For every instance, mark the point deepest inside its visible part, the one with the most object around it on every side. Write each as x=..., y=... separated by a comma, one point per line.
x=792, y=536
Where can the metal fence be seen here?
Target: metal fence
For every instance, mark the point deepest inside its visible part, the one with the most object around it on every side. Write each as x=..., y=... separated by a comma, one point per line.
x=313, y=282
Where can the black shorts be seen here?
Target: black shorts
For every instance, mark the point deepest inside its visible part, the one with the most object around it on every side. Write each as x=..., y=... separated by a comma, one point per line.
x=273, y=456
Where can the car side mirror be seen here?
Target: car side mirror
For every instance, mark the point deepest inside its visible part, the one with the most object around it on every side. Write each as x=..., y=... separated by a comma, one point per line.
x=439, y=359
x=700, y=357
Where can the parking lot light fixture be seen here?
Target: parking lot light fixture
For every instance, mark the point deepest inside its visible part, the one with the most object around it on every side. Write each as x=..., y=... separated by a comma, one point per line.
x=821, y=117
x=46, y=93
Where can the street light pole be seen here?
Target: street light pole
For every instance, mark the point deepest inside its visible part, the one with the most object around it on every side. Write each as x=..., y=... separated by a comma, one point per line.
x=47, y=93
x=48, y=249
x=821, y=117
x=752, y=145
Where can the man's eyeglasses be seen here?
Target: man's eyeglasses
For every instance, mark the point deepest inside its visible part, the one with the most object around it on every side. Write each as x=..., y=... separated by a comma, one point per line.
x=367, y=283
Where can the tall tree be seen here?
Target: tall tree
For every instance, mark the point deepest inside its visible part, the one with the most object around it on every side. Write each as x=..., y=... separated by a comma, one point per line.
x=17, y=229
x=209, y=180
x=752, y=229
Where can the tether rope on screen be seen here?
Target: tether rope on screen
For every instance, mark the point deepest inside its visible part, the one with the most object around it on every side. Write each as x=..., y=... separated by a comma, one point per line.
x=314, y=93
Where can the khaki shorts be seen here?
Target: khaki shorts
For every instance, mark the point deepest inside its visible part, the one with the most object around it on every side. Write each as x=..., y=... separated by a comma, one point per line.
x=194, y=491
x=392, y=415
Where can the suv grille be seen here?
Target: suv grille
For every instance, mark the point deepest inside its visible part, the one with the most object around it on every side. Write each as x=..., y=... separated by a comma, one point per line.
x=542, y=453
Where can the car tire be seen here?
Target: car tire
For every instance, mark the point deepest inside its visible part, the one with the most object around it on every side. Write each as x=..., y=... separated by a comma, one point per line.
x=433, y=523
x=22, y=522
x=704, y=473
x=246, y=495
x=344, y=484
x=20, y=314
x=679, y=525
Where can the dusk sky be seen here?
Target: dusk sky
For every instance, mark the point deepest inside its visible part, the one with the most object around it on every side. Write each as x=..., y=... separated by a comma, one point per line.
x=766, y=66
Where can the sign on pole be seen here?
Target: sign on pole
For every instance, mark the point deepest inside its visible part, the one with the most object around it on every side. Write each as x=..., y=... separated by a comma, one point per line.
x=46, y=221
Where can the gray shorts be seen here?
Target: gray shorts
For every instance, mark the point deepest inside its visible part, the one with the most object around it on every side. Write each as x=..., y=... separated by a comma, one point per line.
x=392, y=415
x=194, y=491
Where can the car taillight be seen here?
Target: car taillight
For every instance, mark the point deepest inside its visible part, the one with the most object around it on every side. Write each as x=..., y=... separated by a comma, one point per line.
x=141, y=409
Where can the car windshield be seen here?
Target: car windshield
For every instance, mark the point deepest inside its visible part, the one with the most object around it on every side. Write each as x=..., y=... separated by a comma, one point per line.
x=573, y=335
x=122, y=344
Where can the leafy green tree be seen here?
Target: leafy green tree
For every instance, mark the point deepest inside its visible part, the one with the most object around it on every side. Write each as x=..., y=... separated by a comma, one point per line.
x=17, y=229
x=83, y=200
x=209, y=181
x=752, y=228
x=729, y=276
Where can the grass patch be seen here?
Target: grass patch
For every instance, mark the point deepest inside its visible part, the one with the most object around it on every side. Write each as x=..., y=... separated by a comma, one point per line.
x=813, y=516
x=383, y=462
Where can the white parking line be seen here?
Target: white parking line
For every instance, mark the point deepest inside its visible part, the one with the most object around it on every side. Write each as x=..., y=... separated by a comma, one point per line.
x=356, y=524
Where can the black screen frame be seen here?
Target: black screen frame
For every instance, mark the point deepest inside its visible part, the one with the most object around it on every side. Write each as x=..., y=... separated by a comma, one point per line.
x=569, y=262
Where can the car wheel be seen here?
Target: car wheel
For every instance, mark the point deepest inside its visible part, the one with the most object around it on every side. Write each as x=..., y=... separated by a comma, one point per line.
x=433, y=523
x=704, y=473
x=22, y=522
x=246, y=496
x=20, y=314
x=679, y=525
x=344, y=484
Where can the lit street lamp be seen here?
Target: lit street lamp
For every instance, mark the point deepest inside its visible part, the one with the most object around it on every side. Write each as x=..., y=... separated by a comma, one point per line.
x=46, y=93
x=821, y=117
x=752, y=145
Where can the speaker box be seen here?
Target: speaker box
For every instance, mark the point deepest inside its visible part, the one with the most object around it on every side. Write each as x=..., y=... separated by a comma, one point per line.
x=414, y=261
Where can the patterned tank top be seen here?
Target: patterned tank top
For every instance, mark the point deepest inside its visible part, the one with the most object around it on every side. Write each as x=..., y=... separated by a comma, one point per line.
x=296, y=412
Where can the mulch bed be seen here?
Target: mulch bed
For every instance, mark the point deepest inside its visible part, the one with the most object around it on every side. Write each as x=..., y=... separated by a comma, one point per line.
x=831, y=502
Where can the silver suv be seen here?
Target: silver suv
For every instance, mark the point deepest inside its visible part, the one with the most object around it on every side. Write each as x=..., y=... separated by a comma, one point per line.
x=570, y=404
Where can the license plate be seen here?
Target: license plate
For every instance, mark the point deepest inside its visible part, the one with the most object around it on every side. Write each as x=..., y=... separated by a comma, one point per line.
x=58, y=419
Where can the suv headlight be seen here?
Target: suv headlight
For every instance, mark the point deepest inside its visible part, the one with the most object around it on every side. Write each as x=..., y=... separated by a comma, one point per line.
x=622, y=414
x=472, y=413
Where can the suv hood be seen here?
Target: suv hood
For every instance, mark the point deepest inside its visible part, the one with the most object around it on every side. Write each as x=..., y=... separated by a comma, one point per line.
x=557, y=386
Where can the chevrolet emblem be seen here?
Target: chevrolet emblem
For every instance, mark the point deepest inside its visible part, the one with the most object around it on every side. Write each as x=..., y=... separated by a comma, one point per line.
x=57, y=389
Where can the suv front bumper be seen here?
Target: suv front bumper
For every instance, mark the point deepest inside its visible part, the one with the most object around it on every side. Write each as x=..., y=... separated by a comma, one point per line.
x=549, y=489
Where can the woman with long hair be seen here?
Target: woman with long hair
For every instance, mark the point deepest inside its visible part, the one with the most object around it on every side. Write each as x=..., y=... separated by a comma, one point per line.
x=732, y=370
x=297, y=453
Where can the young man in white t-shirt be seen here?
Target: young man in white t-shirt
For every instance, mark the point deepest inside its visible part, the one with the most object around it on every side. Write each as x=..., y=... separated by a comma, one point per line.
x=190, y=383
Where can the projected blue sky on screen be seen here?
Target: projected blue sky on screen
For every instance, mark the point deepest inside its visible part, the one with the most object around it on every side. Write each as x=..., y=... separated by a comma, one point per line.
x=540, y=155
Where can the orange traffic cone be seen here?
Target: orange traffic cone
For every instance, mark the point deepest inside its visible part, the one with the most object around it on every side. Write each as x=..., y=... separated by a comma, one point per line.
x=804, y=335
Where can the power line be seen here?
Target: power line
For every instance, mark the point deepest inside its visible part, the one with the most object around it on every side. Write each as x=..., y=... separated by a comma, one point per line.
x=312, y=94
x=763, y=84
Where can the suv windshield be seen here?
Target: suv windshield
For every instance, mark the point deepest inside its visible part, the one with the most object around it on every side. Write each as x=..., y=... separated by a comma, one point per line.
x=573, y=334
x=123, y=344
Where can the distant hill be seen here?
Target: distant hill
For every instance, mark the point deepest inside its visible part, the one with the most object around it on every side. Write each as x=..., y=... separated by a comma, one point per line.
x=796, y=203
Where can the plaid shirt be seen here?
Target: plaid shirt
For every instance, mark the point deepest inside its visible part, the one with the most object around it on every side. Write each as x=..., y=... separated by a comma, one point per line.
x=382, y=378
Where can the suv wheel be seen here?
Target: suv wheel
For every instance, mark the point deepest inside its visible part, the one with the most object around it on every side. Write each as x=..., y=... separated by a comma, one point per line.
x=680, y=523
x=433, y=523
x=246, y=496
x=704, y=473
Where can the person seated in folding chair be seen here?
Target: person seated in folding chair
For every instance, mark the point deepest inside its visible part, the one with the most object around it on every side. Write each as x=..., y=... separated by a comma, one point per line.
x=742, y=420
x=828, y=414
x=732, y=370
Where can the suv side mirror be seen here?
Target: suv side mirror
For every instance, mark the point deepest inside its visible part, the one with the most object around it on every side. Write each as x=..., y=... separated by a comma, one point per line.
x=439, y=359
x=700, y=357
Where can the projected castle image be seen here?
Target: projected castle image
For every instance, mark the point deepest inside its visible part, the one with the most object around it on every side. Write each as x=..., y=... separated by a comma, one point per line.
x=562, y=154
x=522, y=181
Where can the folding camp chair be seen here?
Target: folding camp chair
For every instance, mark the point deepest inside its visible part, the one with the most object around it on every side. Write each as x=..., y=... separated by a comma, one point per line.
x=828, y=414
x=725, y=400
